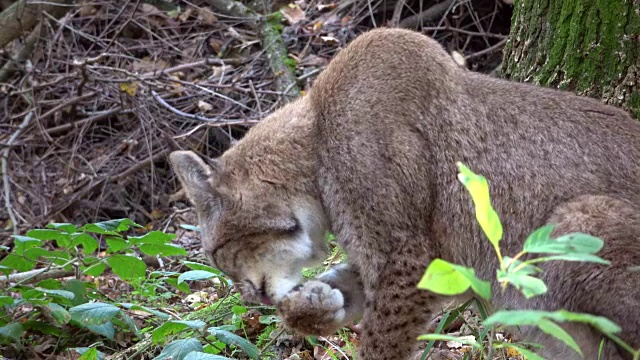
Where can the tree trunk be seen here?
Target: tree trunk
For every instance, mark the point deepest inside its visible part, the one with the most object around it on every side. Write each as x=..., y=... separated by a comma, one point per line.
x=589, y=47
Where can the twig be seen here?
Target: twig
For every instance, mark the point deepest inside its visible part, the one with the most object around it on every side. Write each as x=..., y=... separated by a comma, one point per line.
x=67, y=103
x=397, y=12
x=427, y=15
x=23, y=16
x=74, y=125
x=178, y=112
x=488, y=50
x=5, y=174
x=37, y=275
x=29, y=43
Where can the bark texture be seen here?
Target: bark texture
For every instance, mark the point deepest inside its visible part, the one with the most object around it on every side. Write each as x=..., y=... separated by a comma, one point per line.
x=590, y=47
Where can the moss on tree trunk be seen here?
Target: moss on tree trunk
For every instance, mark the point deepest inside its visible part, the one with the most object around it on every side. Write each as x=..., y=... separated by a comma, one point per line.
x=590, y=47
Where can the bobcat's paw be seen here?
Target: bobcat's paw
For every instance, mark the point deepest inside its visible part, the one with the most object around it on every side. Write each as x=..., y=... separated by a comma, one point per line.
x=313, y=309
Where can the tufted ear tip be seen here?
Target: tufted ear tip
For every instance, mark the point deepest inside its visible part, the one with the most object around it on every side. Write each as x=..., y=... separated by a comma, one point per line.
x=194, y=174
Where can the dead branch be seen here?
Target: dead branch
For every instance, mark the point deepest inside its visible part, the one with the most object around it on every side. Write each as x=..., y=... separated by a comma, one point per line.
x=22, y=55
x=430, y=14
x=5, y=172
x=23, y=16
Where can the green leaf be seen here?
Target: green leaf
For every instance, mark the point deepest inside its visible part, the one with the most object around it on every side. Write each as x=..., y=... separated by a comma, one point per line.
x=529, y=286
x=96, y=269
x=88, y=242
x=153, y=237
x=130, y=323
x=533, y=317
x=6, y=300
x=163, y=249
x=12, y=331
x=196, y=275
x=83, y=350
x=66, y=227
x=269, y=319
x=110, y=227
x=95, y=313
x=239, y=310
x=444, y=278
x=61, y=238
x=559, y=333
x=478, y=188
x=198, y=266
x=60, y=314
x=566, y=244
x=90, y=354
x=16, y=260
x=157, y=313
x=575, y=257
x=178, y=349
x=127, y=267
x=61, y=293
x=173, y=327
x=197, y=355
x=230, y=338
x=107, y=330
x=115, y=244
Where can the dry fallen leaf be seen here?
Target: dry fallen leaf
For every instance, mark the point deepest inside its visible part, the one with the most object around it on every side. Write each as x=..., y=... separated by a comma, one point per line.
x=129, y=87
x=206, y=16
x=185, y=15
x=293, y=13
x=204, y=106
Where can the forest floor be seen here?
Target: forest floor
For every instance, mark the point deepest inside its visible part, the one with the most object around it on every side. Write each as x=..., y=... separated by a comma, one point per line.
x=95, y=94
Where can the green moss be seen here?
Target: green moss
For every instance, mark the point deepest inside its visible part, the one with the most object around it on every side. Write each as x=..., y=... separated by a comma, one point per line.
x=291, y=63
x=634, y=104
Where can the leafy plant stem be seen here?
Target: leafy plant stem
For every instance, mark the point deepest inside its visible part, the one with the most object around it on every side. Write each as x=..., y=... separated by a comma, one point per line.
x=490, y=347
x=47, y=269
x=266, y=346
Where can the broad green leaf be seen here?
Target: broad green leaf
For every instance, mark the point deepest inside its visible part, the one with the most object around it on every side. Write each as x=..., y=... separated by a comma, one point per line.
x=90, y=354
x=6, y=300
x=96, y=269
x=111, y=227
x=61, y=293
x=107, y=330
x=533, y=317
x=61, y=238
x=173, y=327
x=94, y=313
x=239, y=310
x=16, y=260
x=230, y=338
x=88, y=242
x=444, y=278
x=269, y=319
x=478, y=188
x=196, y=275
x=603, y=324
x=12, y=331
x=524, y=268
x=163, y=249
x=127, y=267
x=566, y=244
x=115, y=244
x=83, y=350
x=66, y=227
x=197, y=355
x=178, y=349
x=559, y=333
x=528, y=285
x=198, y=266
x=51, y=284
x=152, y=237
x=59, y=313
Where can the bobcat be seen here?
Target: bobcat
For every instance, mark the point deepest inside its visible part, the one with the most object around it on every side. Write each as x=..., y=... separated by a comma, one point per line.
x=370, y=155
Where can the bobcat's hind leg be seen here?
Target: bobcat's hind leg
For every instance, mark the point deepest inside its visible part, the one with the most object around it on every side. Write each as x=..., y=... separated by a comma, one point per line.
x=611, y=291
x=322, y=305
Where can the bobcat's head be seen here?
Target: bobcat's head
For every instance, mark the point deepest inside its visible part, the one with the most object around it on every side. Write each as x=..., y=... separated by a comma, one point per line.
x=257, y=231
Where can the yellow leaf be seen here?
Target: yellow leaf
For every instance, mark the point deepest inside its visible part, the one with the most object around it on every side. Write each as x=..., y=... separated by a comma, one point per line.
x=130, y=88
x=511, y=352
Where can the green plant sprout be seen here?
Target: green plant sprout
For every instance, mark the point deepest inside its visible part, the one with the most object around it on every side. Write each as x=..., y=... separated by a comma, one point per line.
x=445, y=278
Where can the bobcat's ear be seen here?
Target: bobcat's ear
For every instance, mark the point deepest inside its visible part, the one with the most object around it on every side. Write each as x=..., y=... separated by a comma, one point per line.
x=197, y=178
